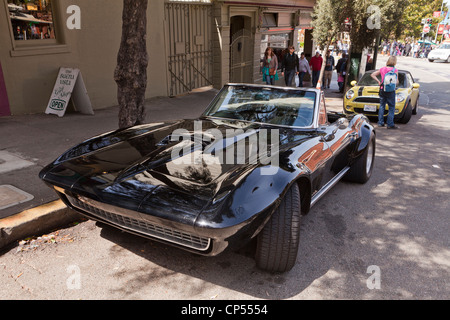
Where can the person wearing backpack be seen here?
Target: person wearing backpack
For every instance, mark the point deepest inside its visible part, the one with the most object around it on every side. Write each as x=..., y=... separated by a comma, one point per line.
x=388, y=85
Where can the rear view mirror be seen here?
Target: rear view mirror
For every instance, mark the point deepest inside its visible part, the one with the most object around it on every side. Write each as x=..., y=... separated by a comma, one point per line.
x=353, y=83
x=416, y=85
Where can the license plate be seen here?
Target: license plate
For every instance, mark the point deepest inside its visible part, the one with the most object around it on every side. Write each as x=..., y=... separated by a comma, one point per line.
x=370, y=108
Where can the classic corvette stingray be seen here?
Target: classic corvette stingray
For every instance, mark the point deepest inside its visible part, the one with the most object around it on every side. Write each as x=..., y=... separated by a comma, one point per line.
x=256, y=161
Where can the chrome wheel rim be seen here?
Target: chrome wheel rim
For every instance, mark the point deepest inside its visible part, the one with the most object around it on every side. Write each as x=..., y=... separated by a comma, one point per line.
x=369, y=158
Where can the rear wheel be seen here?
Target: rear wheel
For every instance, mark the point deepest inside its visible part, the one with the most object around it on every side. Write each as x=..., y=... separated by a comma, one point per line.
x=277, y=244
x=431, y=60
x=361, y=170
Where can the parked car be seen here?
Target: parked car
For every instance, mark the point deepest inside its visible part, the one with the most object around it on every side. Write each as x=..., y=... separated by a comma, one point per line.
x=256, y=161
x=441, y=53
x=364, y=98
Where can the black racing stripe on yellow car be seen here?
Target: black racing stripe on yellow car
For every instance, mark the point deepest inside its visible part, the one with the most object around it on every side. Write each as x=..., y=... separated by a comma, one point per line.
x=360, y=91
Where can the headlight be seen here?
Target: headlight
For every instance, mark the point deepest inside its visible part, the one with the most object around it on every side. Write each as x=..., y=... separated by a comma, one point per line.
x=400, y=97
x=350, y=94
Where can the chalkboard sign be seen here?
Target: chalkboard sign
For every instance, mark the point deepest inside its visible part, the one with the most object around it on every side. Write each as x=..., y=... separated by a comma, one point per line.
x=69, y=84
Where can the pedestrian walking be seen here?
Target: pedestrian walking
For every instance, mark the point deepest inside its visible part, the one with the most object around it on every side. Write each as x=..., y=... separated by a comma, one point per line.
x=415, y=49
x=329, y=66
x=303, y=67
x=341, y=69
x=408, y=49
x=388, y=85
x=369, y=64
x=316, y=66
x=289, y=66
x=385, y=49
x=270, y=67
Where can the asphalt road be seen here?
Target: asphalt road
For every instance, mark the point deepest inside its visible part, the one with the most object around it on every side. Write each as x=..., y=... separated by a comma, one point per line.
x=387, y=239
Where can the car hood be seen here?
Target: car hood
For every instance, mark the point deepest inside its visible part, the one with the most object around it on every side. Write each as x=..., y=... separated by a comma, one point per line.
x=371, y=90
x=439, y=52
x=129, y=164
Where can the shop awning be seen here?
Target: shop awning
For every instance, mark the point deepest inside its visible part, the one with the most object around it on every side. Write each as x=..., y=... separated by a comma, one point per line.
x=427, y=42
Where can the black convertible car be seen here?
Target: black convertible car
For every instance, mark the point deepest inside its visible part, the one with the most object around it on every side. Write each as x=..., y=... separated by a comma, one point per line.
x=249, y=167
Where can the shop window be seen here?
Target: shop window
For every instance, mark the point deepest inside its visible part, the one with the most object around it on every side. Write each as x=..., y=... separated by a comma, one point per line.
x=279, y=42
x=31, y=20
x=269, y=20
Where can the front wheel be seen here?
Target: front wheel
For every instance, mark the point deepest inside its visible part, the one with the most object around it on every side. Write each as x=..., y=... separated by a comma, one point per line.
x=277, y=243
x=431, y=60
x=361, y=170
x=407, y=115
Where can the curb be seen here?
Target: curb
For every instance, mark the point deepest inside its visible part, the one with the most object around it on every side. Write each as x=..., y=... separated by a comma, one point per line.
x=36, y=221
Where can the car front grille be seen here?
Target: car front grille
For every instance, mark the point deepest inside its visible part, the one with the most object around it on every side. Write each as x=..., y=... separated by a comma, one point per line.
x=141, y=226
x=375, y=100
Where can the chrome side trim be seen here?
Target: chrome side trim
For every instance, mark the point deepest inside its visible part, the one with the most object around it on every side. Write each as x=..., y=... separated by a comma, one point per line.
x=319, y=194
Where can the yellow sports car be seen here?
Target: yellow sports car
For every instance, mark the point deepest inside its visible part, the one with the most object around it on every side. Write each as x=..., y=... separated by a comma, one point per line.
x=364, y=98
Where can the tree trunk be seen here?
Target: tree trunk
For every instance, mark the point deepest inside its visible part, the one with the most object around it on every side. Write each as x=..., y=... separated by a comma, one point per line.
x=324, y=62
x=132, y=61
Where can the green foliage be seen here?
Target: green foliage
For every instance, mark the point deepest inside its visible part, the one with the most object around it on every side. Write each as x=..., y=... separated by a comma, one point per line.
x=415, y=12
x=329, y=16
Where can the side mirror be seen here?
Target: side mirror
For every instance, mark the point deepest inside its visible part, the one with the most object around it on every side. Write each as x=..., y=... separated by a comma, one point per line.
x=416, y=85
x=343, y=123
x=353, y=83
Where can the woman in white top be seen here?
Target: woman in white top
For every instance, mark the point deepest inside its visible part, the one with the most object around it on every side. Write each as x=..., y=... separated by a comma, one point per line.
x=303, y=68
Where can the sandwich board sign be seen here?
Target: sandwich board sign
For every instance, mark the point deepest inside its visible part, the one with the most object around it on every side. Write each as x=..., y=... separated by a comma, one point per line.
x=69, y=84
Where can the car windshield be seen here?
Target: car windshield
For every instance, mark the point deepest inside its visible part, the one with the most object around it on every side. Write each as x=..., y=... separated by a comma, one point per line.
x=265, y=105
x=444, y=46
x=367, y=80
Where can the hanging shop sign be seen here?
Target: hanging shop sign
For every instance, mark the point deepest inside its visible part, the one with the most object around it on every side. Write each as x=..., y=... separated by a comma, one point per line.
x=69, y=85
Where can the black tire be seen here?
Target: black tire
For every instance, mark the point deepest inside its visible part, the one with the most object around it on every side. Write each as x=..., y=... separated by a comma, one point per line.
x=407, y=115
x=431, y=60
x=277, y=243
x=362, y=169
x=416, y=107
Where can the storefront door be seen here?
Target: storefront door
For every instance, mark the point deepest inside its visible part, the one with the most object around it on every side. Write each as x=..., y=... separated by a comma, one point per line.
x=241, y=56
x=4, y=103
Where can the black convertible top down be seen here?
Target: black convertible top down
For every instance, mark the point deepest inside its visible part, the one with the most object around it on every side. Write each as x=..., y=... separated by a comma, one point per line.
x=248, y=168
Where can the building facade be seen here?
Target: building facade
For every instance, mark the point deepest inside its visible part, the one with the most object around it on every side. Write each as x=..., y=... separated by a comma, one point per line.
x=191, y=44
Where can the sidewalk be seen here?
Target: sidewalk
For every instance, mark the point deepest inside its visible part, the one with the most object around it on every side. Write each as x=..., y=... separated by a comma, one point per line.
x=30, y=142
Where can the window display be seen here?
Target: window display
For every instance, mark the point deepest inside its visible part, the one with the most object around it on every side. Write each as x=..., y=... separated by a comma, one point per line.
x=278, y=42
x=31, y=20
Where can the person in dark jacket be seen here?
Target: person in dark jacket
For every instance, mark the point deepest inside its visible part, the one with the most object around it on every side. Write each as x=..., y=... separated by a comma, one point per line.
x=289, y=66
x=341, y=69
x=329, y=66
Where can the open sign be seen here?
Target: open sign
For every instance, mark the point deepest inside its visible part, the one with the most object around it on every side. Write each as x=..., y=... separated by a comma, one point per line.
x=57, y=105
x=69, y=85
